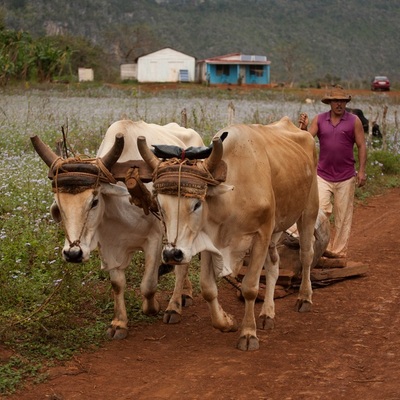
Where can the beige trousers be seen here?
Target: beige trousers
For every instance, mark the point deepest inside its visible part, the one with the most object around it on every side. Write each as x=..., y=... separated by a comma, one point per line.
x=339, y=198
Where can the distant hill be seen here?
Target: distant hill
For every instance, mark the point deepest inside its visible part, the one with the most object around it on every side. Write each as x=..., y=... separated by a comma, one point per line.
x=306, y=40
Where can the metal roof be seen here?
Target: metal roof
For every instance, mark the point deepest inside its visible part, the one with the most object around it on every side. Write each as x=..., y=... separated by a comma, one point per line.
x=238, y=58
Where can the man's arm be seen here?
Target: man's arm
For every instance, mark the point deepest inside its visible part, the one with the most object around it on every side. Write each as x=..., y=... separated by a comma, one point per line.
x=303, y=124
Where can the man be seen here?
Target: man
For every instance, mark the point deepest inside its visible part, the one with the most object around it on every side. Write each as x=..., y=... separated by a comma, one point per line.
x=337, y=132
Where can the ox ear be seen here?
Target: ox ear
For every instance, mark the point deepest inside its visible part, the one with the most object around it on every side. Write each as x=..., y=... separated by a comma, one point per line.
x=219, y=189
x=55, y=212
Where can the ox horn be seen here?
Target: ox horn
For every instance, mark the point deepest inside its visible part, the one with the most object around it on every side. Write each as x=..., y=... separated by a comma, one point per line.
x=146, y=153
x=44, y=151
x=216, y=155
x=115, y=152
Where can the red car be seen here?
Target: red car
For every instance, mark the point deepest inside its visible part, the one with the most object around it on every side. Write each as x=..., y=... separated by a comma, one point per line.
x=380, y=83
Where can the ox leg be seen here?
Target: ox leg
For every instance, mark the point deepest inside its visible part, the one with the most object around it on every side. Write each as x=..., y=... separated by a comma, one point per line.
x=187, y=292
x=248, y=339
x=148, y=286
x=119, y=324
x=219, y=318
x=182, y=295
x=271, y=266
x=306, y=232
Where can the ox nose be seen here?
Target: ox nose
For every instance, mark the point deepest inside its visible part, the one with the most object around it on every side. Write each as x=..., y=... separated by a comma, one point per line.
x=172, y=255
x=73, y=254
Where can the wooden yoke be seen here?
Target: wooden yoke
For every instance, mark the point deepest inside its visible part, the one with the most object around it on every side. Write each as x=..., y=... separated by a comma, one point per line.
x=119, y=170
x=134, y=174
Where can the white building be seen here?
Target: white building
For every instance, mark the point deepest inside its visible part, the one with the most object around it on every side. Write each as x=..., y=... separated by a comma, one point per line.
x=128, y=71
x=85, y=74
x=166, y=65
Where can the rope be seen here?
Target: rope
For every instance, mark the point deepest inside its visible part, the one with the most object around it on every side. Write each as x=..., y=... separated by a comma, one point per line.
x=56, y=163
x=236, y=286
x=105, y=171
x=187, y=178
x=191, y=170
x=179, y=205
x=59, y=165
x=181, y=178
x=58, y=198
x=161, y=218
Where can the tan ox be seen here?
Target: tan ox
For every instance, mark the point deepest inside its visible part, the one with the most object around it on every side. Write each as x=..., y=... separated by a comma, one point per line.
x=270, y=184
x=98, y=214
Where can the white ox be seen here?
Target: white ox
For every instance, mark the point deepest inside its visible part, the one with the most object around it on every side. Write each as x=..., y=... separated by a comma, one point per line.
x=270, y=184
x=102, y=216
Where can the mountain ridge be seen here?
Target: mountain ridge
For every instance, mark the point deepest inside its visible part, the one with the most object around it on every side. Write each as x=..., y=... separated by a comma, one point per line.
x=349, y=40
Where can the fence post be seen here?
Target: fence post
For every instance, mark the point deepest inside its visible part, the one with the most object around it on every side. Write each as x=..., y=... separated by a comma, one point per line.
x=231, y=113
x=184, y=118
x=384, y=142
x=370, y=125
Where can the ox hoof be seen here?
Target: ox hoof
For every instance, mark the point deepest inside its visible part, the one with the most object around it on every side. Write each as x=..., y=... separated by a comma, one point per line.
x=303, y=306
x=248, y=343
x=171, y=317
x=233, y=326
x=187, y=301
x=150, y=309
x=265, y=323
x=117, y=333
x=228, y=326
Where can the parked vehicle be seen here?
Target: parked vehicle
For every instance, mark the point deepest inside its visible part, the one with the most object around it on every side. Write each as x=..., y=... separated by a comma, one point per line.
x=380, y=83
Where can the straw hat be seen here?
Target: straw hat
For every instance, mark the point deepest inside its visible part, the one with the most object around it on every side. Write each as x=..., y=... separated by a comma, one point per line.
x=336, y=93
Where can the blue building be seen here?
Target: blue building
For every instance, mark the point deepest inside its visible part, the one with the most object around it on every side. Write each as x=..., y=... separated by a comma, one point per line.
x=235, y=69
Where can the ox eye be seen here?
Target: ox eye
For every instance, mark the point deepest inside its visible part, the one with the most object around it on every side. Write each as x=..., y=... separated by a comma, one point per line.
x=197, y=205
x=95, y=202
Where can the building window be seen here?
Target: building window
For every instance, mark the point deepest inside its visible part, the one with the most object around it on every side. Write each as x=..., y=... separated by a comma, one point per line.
x=222, y=70
x=256, y=70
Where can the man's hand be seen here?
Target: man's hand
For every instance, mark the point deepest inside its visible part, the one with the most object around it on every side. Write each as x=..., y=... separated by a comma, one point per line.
x=361, y=179
x=303, y=121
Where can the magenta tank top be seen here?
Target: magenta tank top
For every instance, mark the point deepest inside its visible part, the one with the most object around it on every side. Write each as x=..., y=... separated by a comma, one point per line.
x=336, y=157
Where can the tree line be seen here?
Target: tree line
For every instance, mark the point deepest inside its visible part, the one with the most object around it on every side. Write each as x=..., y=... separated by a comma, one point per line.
x=46, y=59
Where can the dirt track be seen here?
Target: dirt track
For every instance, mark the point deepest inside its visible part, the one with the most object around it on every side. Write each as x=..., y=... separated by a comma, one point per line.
x=348, y=347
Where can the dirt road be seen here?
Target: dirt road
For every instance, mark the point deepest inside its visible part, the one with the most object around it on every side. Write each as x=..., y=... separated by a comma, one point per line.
x=348, y=347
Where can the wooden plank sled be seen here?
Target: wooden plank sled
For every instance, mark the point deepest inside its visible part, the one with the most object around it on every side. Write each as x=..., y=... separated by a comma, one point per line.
x=329, y=274
x=280, y=291
x=321, y=276
x=325, y=262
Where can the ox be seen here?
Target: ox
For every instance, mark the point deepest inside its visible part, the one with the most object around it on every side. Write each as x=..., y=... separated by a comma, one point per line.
x=98, y=213
x=270, y=183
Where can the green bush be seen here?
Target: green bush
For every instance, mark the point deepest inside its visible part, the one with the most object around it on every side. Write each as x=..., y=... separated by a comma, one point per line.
x=388, y=162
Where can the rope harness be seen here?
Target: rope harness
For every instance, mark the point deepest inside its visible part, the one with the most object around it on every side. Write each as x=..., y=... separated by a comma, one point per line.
x=187, y=178
x=182, y=178
x=75, y=175
x=179, y=177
